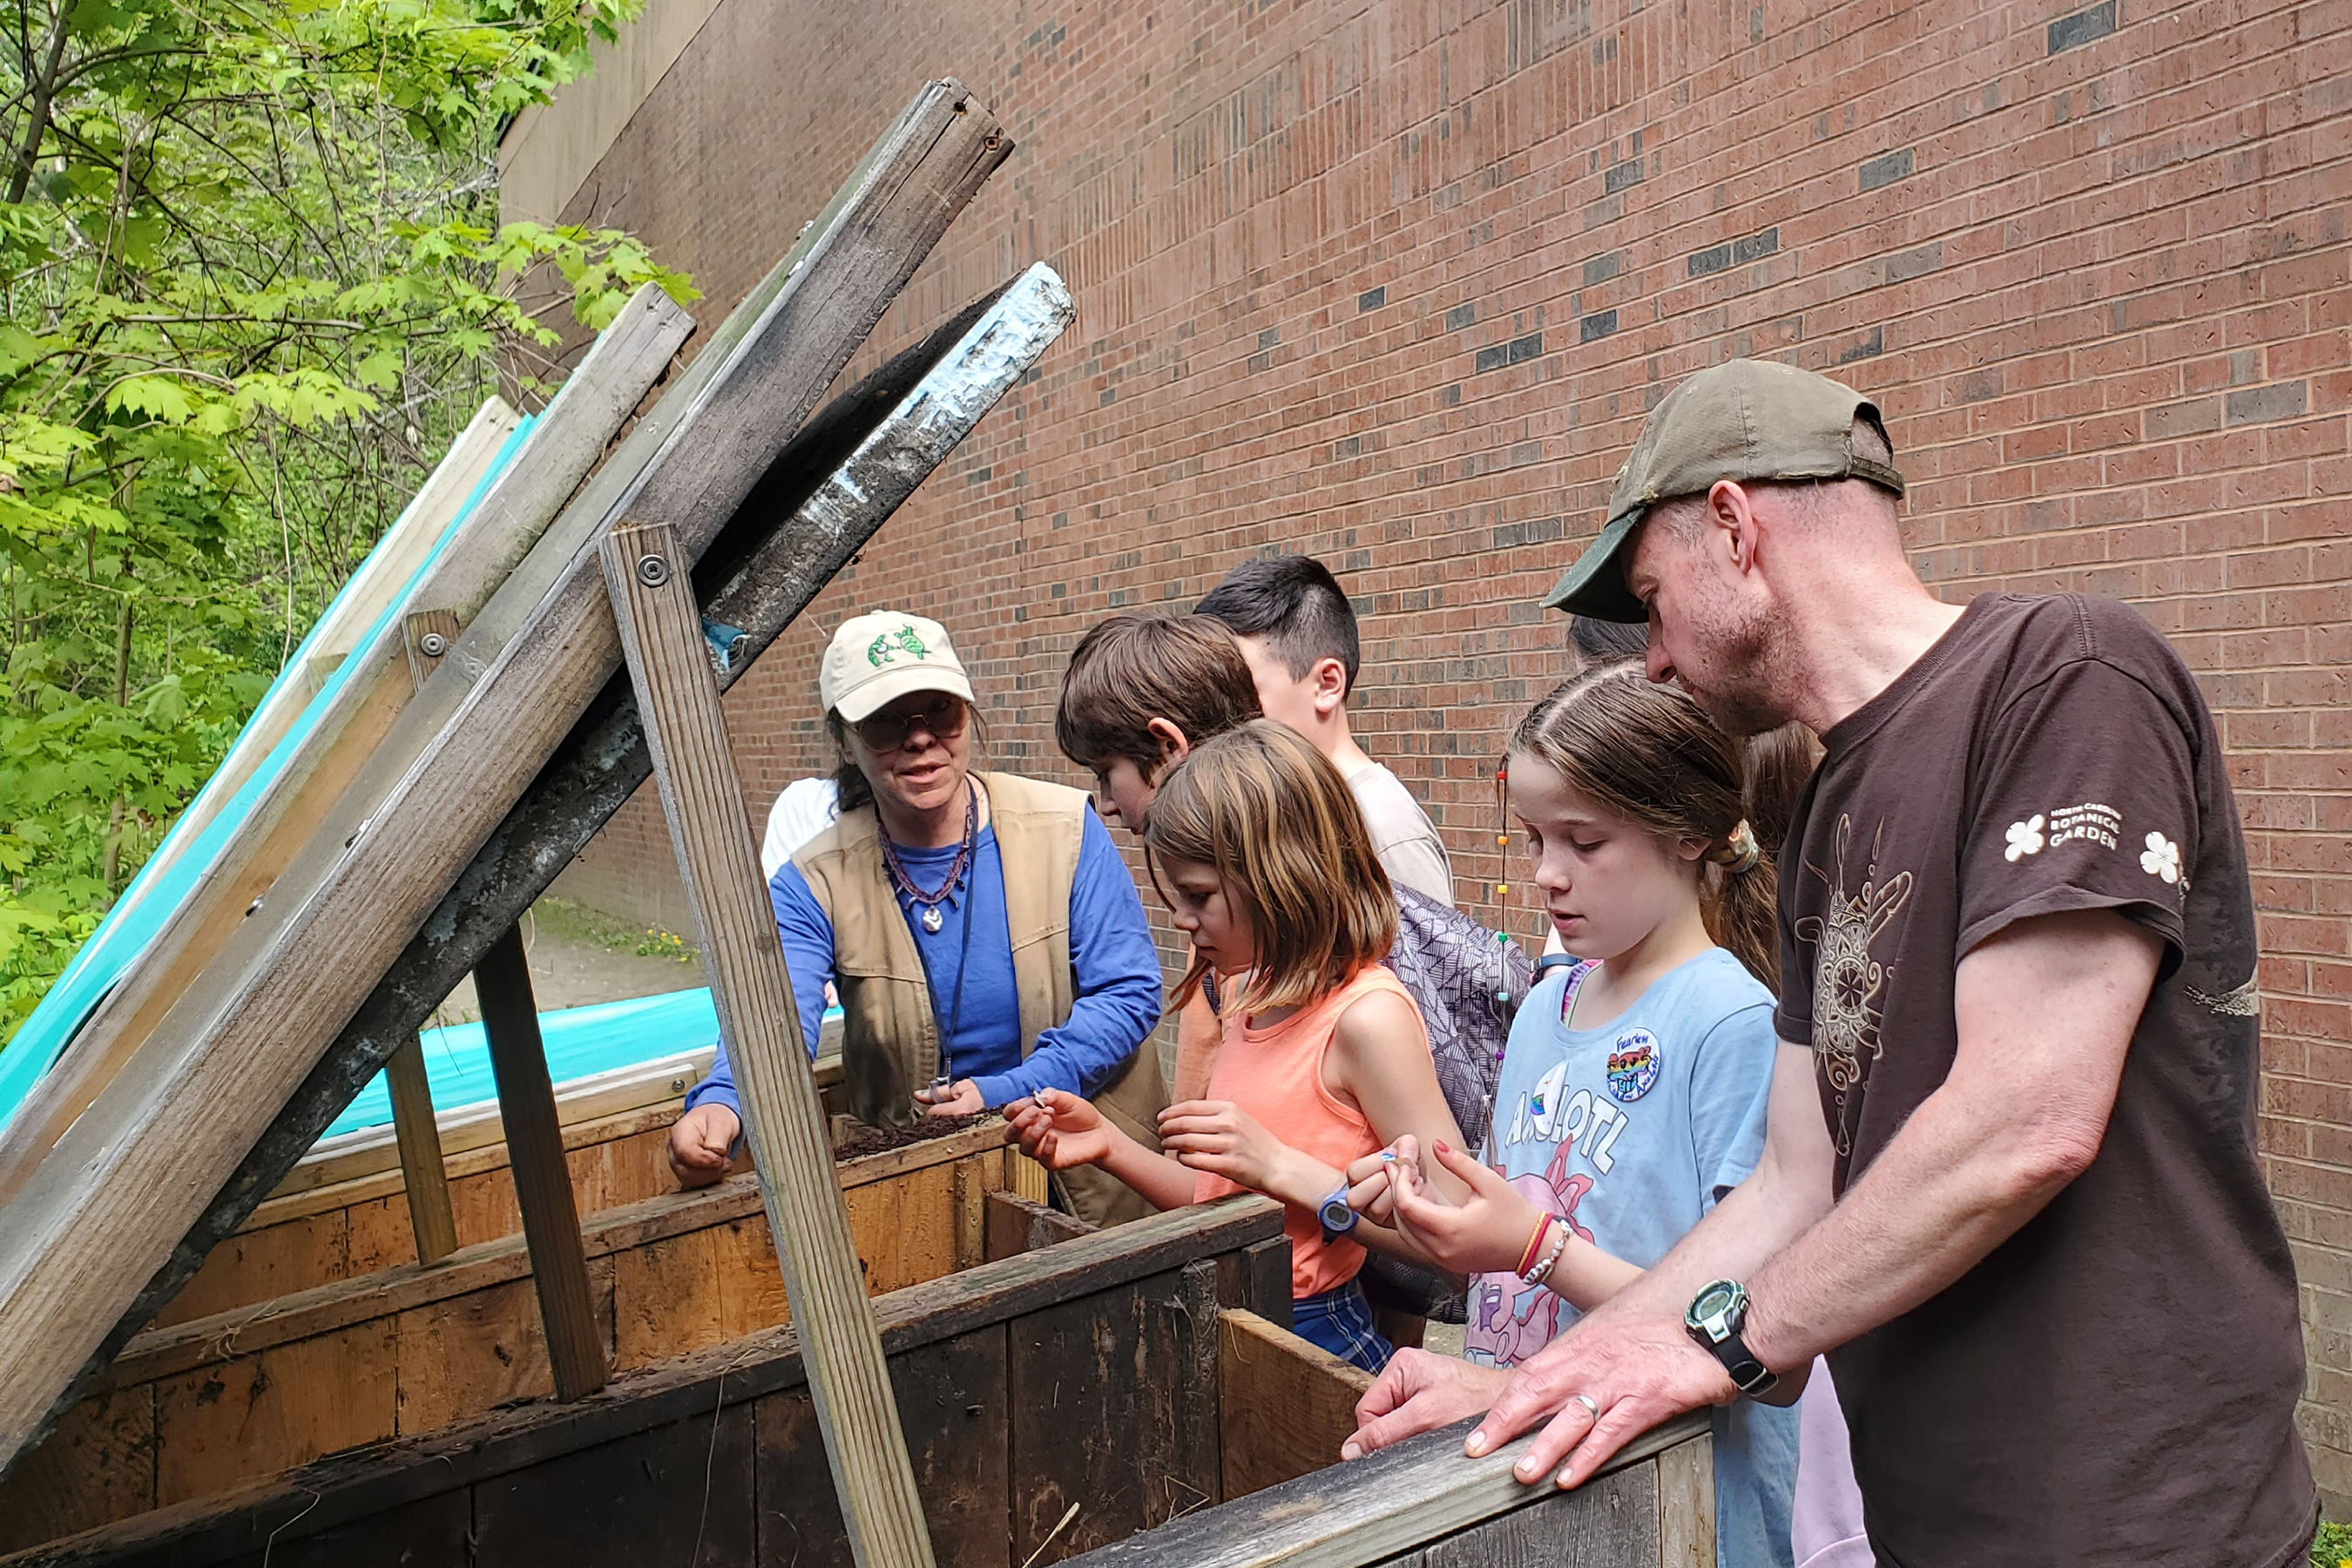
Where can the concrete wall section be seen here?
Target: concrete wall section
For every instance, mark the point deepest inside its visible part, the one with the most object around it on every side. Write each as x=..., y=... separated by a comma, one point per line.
x=1393, y=281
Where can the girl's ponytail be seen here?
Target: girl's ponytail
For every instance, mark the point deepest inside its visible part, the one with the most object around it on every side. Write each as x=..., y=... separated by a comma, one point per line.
x=1649, y=754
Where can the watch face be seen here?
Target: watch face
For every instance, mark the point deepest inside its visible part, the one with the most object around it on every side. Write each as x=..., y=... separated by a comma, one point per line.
x=1335, y=1215
x=1713, y=1302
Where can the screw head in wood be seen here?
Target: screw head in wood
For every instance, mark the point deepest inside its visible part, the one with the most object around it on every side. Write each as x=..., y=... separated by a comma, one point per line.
x=433, y=644
x=652, y=570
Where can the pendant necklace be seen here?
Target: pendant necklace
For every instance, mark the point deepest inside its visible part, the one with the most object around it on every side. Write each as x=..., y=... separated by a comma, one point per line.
x=932, y=921
x=930, y=900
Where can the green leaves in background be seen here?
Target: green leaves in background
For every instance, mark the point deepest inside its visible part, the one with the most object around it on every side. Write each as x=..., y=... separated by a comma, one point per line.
x=252, y=281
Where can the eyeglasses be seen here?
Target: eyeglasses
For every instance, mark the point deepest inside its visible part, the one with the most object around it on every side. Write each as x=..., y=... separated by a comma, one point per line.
x=945, y=716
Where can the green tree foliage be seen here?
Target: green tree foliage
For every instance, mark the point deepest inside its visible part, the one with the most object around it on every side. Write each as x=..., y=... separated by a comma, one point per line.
x=251, y=283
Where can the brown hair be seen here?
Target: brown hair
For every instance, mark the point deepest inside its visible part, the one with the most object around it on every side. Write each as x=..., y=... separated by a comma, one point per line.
x=1133, y=668
x=1649, y=753
x=1275, y=818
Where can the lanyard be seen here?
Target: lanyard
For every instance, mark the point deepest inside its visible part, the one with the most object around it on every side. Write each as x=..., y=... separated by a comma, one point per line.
x=964, y=967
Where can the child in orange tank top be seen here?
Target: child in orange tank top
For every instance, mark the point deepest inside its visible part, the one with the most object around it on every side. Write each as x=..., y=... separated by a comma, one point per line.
x=1259, y=850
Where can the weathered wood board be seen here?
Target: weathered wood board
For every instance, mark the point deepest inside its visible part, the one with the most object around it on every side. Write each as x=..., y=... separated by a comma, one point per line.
x=613, y=1459
x=228, y=1400
x=116, y=1198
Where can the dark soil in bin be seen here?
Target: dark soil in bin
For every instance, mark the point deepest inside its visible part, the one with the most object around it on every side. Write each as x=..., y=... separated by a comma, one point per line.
x=860, y=1141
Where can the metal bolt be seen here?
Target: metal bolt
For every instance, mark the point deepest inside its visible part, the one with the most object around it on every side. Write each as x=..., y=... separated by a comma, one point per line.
x=433, y=644
x=652, y=570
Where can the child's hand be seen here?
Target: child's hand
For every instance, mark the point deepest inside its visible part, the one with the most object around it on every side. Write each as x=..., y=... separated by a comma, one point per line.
x=1369, y=1191
x=1487, y=1234
x=1059, y=1131
x=1218, y=1137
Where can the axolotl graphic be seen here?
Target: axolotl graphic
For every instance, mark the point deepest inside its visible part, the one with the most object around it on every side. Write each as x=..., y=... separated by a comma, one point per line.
x=1509, y=1321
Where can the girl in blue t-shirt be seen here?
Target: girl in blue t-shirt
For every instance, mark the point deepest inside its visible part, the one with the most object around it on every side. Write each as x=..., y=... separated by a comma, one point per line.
x=1633, y=1088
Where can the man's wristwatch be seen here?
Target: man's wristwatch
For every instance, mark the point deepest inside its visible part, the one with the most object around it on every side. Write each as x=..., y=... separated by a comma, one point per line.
x=1338, y=1218
x=1715, y=1319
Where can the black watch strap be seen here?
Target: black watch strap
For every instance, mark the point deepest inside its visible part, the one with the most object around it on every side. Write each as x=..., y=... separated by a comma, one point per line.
x=1716, y=1317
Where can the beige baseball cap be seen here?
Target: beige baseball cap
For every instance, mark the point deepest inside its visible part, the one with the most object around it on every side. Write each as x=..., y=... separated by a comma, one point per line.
x=877, y=657
x=1745, y=419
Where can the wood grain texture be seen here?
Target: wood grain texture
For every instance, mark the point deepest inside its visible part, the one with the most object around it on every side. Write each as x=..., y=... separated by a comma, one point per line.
x=98, y=1466
x=719, y=865
x=337, y=751
x=1100, y=1386
x=1687, y=1505
x=236, y=1090
x=340, y=1490
x=422, y=1176
x=1014, y=1225
x=171, y=1110
x=550, y=1226
x=954, y=1405
x=1286, y=1407
x=1391, y=1505
x=676, y=1494
x=1610, y=1523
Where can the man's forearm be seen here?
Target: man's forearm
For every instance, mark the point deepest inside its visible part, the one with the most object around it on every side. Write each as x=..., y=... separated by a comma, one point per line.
x=1755, y=1221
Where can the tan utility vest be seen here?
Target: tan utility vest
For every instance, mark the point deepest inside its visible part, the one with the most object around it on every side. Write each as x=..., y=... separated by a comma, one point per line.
x=890, y=1036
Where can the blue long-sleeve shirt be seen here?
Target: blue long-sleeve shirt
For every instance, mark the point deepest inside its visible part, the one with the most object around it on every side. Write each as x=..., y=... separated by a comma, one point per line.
x=1114, y=966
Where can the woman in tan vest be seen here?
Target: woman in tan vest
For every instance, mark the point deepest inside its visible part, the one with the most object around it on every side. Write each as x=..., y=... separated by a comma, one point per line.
x=983, y=934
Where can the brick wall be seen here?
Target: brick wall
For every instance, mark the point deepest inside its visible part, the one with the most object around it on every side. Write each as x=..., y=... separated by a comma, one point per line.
x=1392, y=281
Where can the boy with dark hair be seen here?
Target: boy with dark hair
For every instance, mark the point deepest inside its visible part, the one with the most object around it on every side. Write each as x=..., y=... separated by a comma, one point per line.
x=1141, y=692
x=1298, y=633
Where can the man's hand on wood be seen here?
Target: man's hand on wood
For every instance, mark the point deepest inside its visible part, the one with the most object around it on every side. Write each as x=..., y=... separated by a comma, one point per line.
x=1632, y=1368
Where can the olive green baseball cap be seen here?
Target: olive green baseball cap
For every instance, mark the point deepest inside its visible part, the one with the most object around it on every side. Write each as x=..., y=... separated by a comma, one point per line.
x=1746, y=419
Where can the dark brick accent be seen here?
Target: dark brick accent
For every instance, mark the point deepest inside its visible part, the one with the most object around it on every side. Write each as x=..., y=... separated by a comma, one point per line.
x=1373, y=299
x=2083, y=27
x=1599, y=324
x=1621, y=175
x=1461, y=317
x=1601, y=269
x=1886, y=170
x=2259, y=404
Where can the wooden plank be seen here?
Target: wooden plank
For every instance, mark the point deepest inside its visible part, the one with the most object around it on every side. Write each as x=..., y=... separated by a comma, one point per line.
x=434, y=1530
x=149, y=1206
x=953, y=1403
x=973, y=1182
x=219, y=1426
x=1611, y=1523
x=645, y=1224
x=1394, y=1502
x=1286, y=1407
x=1687, y=1506
x=341, y=1489
x=1026, y=1178
x=1268, y=1283
x=249, y=876
x=1099, y=1389
x=840, y=479
x=422, y=1176
x=629, y=1501
x=717, y=862
x=1014, y=1225
x=98, y=1466
x=550, y=1226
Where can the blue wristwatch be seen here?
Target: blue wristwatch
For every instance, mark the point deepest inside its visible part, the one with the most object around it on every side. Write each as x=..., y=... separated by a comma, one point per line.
x=1338, y=1218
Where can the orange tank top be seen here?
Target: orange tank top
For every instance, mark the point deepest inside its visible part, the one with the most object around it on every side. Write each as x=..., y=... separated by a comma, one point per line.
x=1275, y=1074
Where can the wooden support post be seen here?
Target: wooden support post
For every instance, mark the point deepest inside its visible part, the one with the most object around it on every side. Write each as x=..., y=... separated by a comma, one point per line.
x=661, y=638
x=550, y=1223
x=430, y=634
x=422, y=1173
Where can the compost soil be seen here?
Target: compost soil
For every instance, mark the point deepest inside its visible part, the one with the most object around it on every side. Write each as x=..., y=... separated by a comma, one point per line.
x=867, y=1140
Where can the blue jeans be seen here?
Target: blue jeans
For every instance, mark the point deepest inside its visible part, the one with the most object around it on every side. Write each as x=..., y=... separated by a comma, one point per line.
x=1340, y=1321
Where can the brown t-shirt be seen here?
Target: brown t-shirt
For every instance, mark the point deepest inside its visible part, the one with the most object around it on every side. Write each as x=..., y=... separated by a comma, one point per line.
x=2115, y=1383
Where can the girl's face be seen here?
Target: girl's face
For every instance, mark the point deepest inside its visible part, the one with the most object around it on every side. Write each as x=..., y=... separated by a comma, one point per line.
x=1607, y=883
x=1217, y=924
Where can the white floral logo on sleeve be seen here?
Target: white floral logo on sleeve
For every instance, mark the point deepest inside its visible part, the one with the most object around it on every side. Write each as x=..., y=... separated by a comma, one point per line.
x=2024, y=839
x=2161, y=858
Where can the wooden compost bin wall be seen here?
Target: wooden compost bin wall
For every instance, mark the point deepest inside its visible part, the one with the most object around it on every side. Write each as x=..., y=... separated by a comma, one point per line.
x=1084, y=1372
x=345, y=1229
x=198, y=1406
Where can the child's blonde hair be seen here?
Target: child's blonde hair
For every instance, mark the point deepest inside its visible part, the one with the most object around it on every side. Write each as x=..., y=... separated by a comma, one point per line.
x=1649, y=753
x=1272, y=815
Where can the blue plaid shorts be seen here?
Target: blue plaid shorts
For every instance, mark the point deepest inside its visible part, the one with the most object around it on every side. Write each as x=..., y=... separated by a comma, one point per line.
x=1340, y=1321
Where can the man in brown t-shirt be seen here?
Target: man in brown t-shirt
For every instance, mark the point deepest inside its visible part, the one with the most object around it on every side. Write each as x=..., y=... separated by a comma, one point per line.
x=2010, y=1182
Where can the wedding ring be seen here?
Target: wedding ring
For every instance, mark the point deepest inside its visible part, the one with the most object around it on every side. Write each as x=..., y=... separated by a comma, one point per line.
x=1589, y=1403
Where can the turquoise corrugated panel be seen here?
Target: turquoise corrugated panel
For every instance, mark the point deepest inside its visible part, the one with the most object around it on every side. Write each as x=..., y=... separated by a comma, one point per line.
x=153, y=894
